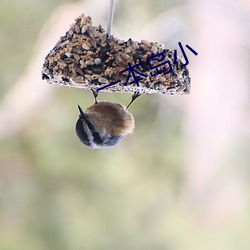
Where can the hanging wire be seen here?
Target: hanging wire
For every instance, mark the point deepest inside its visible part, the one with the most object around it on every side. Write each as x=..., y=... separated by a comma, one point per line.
x=110, y=15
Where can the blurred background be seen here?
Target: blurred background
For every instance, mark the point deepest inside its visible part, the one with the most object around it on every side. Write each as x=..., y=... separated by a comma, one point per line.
x=180, y=182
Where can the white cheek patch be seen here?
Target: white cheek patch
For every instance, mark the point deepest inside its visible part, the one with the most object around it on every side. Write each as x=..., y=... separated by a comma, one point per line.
x=89, y=133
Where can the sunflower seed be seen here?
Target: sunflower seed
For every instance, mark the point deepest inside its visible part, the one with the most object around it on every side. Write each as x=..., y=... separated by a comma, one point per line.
x=68, y=54
x=88, y=76
x=85, y=46
x=103, y=37
x=162, y=79
x=118, y=58
x=88, y=62
x=103, y=80
x=61, y=62
x=69, y=60
x=77, y=57
x=84, y=29
x=134, y=45
x=145, y=42
x=120, y=42
x=95, y=76
x=154, y=49
x=77, y=29
x=77, y=79
x=78, y=70
x=64, y=43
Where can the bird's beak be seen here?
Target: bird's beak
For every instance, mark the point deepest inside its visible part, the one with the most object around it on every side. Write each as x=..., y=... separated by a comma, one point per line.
x=82, y=115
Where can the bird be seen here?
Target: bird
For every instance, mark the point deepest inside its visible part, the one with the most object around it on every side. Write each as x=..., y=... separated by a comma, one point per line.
x=104, y=124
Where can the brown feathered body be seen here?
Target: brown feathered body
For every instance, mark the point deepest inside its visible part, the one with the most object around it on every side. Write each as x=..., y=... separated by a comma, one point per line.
x=111, y=117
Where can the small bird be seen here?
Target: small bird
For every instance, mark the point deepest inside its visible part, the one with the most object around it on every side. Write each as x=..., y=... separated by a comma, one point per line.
x=104, y=124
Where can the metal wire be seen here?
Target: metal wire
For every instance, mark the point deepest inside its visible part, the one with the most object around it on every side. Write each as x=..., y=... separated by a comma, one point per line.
x=110, y=15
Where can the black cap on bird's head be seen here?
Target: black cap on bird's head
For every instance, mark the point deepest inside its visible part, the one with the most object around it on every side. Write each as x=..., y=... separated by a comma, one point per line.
x=80, y=130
